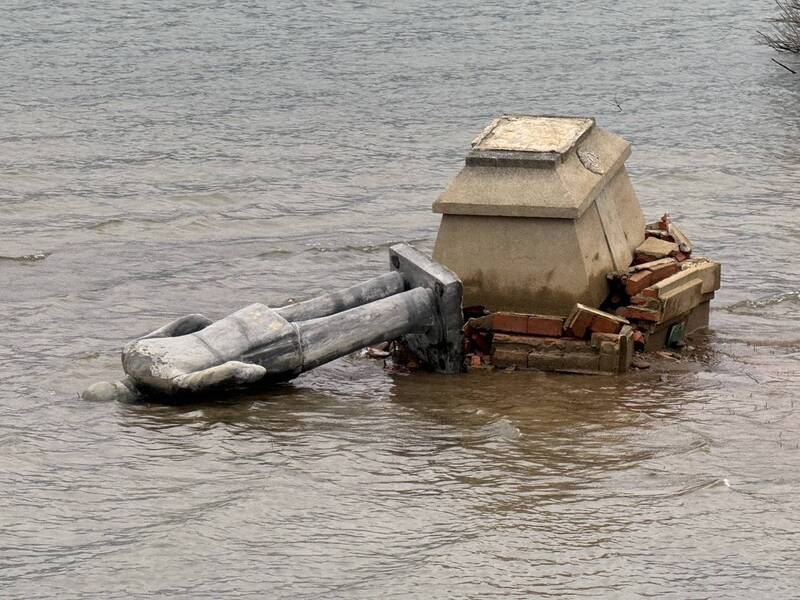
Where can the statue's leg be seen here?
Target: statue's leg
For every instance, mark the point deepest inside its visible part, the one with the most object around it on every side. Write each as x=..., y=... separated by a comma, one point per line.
x=323, y=340
x=371, y=290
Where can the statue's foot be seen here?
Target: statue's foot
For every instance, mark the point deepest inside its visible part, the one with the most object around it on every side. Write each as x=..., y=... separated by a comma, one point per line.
x=121, y=391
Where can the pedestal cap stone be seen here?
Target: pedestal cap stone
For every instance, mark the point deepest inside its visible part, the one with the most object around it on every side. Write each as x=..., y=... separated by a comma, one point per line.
x=541, y=211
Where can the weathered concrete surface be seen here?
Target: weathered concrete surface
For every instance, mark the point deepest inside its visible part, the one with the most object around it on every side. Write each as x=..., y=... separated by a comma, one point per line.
x=708, y=271
x=530, y=235
x=519, y=186
x=676, y=295
x=695, y=321
x=608, y=353
x=655, y=249
x=441, y=347
x=532, y=134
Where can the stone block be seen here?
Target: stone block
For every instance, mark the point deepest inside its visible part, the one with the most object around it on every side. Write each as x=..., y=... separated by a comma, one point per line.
x=580, y=362
x=509, y=356
x=697, y=319
x=681, y=300
x=529, y=343
x=546, y=361
x=626, y=348
x=564, y=362
x=599, y=338
x=442, y=346
x=609, y=347
x=684, y=245
x=608, y=362
x=615, y=350
x=696, y=268
x=708, y=270
x=654, y=249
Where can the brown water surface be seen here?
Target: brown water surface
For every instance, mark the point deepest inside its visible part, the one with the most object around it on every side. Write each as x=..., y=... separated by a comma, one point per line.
x=158, y=159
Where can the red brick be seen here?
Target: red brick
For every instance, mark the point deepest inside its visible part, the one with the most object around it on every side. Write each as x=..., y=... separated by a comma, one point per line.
x=599, y=338
x=664, y=271
x=545, y=325
x=579, y=325
x=508, y=322
x=584, y=319
x=638, y=338
x=647, y=277
x=653, y=264
x=638, y=281
x=639, y=314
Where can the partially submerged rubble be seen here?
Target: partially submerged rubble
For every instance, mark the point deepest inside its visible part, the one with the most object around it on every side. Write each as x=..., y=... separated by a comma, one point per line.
x=559, y=267
x=662, y=297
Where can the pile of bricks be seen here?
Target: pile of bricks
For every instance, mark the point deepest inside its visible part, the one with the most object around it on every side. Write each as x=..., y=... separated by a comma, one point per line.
x=662, y=295
x=665, y=292
x=587, y=341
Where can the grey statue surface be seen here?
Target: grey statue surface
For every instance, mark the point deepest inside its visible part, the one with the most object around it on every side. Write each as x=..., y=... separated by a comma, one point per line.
x=418, y=300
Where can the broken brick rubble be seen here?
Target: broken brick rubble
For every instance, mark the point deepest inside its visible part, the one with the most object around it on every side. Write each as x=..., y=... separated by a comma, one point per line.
x=584, y=320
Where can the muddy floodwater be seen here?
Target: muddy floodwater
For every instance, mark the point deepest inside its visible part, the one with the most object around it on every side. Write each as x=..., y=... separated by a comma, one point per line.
x=160, y=158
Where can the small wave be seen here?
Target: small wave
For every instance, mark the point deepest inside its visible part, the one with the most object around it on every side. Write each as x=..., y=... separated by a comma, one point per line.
x=748, y=307
x=501, y=429
x=360, y=248
x=103, y=224
x=275, y=252
x=26, y=258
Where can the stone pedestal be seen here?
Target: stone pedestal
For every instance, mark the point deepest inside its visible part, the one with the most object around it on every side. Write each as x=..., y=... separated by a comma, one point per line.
x=541, y=211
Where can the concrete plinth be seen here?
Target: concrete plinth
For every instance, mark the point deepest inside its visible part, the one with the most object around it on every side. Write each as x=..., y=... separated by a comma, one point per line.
x=541, y=211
